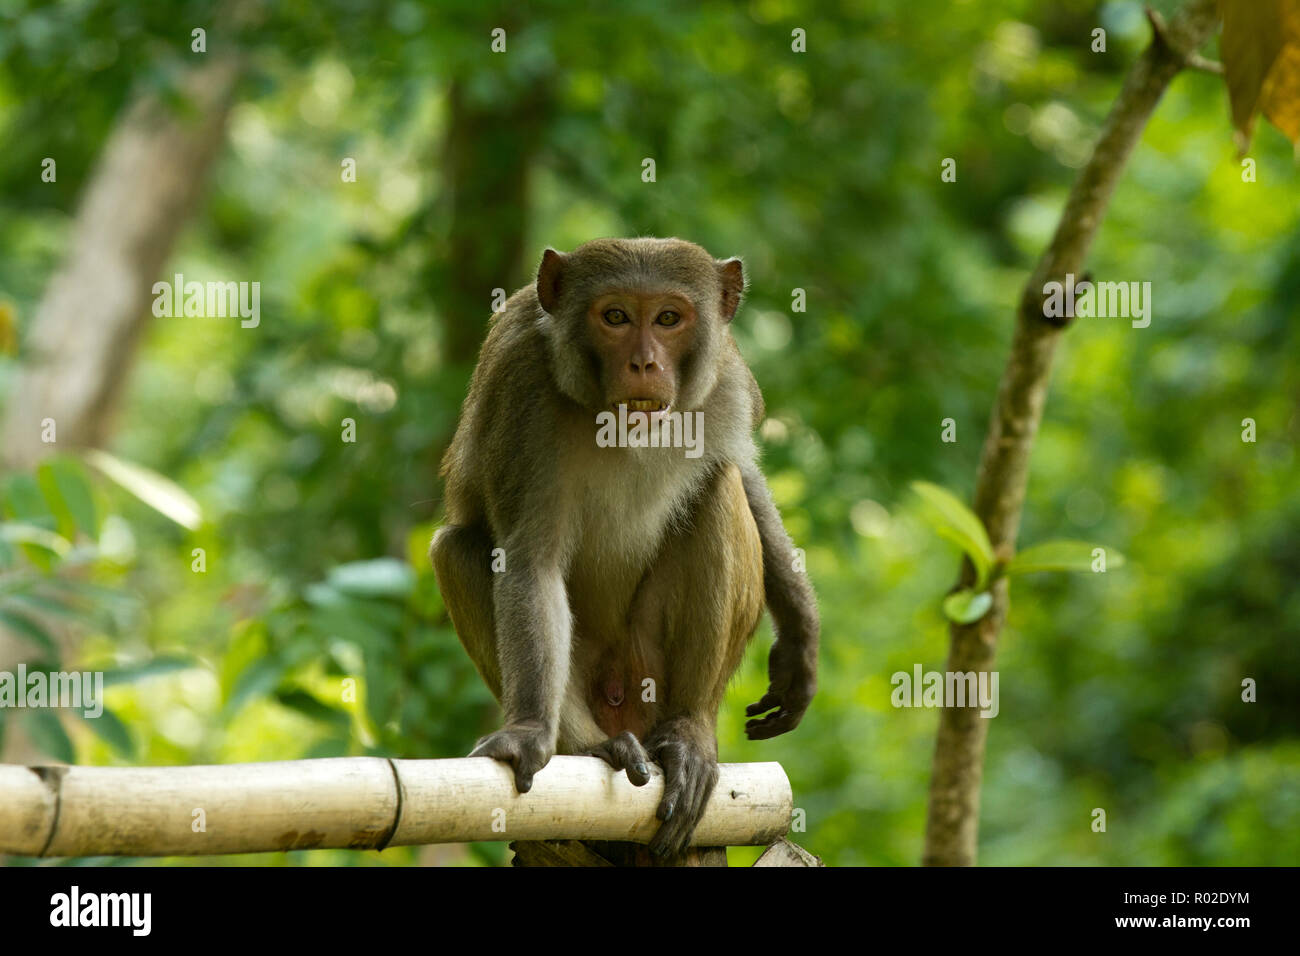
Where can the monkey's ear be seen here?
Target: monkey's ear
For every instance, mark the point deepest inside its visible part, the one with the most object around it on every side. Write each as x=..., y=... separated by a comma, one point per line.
x=732, y=274
x=549, y=278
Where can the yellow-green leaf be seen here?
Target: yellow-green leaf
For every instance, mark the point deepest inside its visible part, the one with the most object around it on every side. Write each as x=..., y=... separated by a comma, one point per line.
x=967, y=606
x=1061, y=556
x=951, y=519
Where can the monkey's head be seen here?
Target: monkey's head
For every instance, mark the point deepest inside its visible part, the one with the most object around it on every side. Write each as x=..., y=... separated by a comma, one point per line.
x=639, y=322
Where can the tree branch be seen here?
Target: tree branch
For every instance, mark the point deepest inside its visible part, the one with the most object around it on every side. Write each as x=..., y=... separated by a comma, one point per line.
x=953, y=818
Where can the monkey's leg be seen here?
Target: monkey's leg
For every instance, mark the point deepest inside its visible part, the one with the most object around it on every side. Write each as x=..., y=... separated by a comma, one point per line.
x=462, y=563
x=705, y=596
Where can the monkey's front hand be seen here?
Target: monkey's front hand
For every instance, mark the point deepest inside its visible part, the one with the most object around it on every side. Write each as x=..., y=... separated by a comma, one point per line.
x=792, y=676
x=688, y=754
x=527, y=746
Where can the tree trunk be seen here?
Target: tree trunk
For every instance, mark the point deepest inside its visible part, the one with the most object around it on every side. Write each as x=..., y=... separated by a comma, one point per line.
x=953, y=818
x=97, y=305
x=486, y=160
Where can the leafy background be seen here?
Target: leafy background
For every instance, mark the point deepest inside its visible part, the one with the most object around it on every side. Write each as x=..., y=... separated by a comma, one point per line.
x=1119, y=691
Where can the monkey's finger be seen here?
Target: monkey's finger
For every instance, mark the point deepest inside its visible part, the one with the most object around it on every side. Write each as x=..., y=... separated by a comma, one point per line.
x=486, y=748
x=625, y=752
x=675, y=834
x=523, y=778
x=773, y=725
x=671, y=838
x=503, y=747
x=676, y=828
x=499, y=746
x=769, y=701
x=672, y=757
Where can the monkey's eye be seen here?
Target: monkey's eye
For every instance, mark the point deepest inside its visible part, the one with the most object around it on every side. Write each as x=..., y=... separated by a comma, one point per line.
x=615, y=317
x=668, y=318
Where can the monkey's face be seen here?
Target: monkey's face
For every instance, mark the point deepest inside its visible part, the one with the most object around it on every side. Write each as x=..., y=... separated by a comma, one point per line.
x=638, y=322
x=640, y=339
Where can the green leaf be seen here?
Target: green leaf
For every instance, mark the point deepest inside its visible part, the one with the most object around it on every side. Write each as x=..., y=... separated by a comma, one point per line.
x=329, y=747
x=382, y=577
x=110, y=729
x=26, y=627
x=1060, y=556
x=382, y=683
x=309, y=706
x=158, y=492
x=256, y=681
x=967, y=606
x=153, y=668
x=63, y=480
x=66, y=610
x=25, y=503
x=951, y=519
x=20, y=533
x=47, y=733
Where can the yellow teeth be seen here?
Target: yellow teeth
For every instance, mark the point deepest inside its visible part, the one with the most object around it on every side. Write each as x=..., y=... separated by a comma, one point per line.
x=644, y=405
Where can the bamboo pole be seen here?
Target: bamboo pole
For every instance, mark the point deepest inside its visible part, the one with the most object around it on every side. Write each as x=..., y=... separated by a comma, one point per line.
x=359, y=803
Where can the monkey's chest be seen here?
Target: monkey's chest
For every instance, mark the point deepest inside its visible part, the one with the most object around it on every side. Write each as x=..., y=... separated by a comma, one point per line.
x=629, y=501
x=611, y=557
x=629, y=505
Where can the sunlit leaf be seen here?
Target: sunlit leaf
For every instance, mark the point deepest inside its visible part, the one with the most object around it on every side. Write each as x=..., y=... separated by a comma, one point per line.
x=32, y=534
x=158, y=492
x=382, y=577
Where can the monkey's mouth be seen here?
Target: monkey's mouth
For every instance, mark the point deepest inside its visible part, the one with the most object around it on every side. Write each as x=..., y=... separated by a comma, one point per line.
x=647, y=405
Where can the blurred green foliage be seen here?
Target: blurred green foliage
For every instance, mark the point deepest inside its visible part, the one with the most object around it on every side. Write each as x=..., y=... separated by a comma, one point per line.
x=821, y=169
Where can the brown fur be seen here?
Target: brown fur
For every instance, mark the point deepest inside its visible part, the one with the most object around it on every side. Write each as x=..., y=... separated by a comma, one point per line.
x=623, y=565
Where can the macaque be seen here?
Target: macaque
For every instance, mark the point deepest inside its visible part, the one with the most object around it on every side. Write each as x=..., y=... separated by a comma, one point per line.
x=628, y=577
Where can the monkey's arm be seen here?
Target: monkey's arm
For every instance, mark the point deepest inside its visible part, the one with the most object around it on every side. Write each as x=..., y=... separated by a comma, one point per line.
x=514, y=618
x=792, y=663
x=533, y=627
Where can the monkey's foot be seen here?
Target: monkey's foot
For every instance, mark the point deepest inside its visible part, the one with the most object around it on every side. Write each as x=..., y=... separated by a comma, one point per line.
x=625, y=752
x=526, y=746
x=688, y=755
